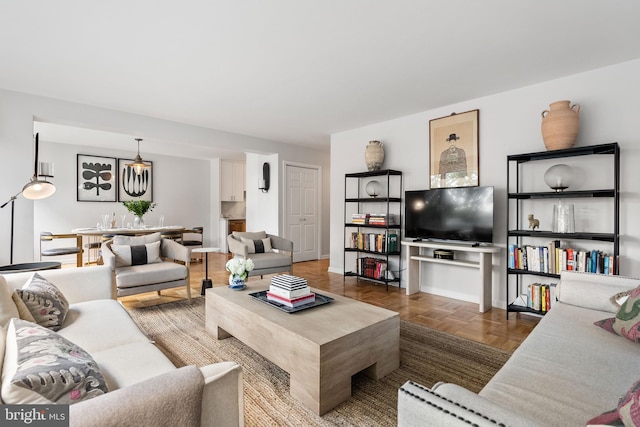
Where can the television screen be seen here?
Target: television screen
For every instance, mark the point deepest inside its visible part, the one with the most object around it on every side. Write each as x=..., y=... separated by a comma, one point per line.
x=462, y=213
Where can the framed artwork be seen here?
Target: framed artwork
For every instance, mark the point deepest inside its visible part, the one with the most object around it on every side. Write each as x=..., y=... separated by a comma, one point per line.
x=133, y=186
x=453, y=150
x=97, y=178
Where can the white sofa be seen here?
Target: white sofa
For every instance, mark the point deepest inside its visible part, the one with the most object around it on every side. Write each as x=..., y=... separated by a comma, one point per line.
x=565, y=373
x=142, y=382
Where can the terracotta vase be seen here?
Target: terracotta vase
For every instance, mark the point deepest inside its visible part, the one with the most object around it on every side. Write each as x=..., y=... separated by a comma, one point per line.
x=560, y=125
x=374, y=155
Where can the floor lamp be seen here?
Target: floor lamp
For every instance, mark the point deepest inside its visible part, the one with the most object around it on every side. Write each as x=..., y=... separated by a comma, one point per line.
x=35, y=189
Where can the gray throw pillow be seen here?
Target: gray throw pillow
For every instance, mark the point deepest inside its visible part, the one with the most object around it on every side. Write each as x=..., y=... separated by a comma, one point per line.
x=42, y=367
x=45, y=302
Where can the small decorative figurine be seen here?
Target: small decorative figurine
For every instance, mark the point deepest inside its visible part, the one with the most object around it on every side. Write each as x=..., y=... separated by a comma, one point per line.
x=533, y=223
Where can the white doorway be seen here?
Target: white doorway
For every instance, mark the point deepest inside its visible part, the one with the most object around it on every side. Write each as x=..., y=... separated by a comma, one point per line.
x=301, y=204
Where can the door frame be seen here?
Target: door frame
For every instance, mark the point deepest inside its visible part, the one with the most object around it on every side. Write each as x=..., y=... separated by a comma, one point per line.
x=285, y=185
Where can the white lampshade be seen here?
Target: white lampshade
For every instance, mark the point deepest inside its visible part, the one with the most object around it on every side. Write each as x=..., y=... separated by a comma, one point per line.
x=559, y=177
x=38, y=189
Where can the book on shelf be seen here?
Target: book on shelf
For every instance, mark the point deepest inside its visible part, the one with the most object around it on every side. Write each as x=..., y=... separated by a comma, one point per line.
x=540, y=296
x=381, y=219
x=553, y=259
x=373, y=268
x=375, y=242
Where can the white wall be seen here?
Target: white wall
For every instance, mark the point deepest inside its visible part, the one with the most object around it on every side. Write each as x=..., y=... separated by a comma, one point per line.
x=18, y=112
x=171, y=177
x=263, y=208
x=509, y=124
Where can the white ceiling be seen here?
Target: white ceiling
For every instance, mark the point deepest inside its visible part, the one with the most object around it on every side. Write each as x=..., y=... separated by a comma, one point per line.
x=296, y=71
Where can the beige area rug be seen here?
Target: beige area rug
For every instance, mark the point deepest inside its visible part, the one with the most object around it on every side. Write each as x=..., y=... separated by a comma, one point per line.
x=426, y=356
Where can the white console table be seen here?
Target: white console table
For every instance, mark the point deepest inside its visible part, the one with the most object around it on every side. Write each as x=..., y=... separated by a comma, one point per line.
x=414, y=256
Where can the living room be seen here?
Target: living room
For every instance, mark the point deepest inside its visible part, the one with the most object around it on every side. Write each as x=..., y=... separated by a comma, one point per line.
x=186, y=187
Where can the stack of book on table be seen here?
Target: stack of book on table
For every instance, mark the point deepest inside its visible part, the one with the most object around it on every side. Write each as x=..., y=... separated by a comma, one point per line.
x=290, y=291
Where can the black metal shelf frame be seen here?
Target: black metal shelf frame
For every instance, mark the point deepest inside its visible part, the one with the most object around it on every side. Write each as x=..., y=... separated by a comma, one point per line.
x=520, y=234
x=389, y=201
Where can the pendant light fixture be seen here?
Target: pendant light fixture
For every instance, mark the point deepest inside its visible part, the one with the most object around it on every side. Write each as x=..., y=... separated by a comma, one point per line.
x=138, y=165
x=38, y=188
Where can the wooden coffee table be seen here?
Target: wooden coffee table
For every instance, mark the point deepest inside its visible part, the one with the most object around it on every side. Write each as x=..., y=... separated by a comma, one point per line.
x=320, y=348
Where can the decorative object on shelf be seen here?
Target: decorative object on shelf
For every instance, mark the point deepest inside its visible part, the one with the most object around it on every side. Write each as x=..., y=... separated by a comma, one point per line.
x=560, y=125
x=374, y=155
x=563, y=218
x=533, y=222
x=132, y=186
x=239, y=269
x=96, y=179
x=373, y=188
x=453, y=150
x=138, y=165
x=35, y=189
x=559, y=177
x=139, y=208
x=263, y=185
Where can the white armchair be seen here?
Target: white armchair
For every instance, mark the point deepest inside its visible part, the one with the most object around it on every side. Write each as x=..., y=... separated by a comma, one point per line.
x=269, y=253
x=146, y=264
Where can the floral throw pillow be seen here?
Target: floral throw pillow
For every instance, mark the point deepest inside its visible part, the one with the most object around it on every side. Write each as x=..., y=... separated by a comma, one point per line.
x=41, y=367
x=44, y=301
x=626, y=413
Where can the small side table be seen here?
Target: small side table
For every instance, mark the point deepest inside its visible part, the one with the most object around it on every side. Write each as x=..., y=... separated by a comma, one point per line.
x=30, y=266
x=206, y=282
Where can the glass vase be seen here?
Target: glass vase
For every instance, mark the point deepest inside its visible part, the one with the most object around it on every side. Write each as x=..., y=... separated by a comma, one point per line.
x=138, y=222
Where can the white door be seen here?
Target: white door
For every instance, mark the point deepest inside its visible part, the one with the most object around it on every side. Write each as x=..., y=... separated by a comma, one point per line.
x=302, y=211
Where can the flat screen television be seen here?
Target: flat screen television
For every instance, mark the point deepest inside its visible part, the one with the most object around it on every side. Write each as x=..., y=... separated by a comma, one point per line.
x=460, y=214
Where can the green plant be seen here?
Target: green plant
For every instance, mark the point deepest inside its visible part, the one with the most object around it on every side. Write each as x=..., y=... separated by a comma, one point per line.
x=139, y=207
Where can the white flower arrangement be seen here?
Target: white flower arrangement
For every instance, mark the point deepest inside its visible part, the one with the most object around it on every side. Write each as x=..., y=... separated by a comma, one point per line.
x=239, y=267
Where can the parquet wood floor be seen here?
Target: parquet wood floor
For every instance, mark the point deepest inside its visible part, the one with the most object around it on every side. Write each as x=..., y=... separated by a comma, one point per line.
x=456, y=317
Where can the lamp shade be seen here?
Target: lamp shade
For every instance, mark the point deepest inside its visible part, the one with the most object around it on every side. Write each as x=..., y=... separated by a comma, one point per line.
x=38, y=189
x=559, y=177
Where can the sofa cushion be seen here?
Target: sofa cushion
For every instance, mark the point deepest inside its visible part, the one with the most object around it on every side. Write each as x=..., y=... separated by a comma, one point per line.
x=23, y=310
x=126, y=255
x=136, y=240
x=131, y=363
x=253, y=235
x=45, y=302
x=626, y=322
x=137, y=275
x=42, y=367
x=270, y=260
x=92, y=326
x=591, y=290
x=258, y=246
x=8, y=309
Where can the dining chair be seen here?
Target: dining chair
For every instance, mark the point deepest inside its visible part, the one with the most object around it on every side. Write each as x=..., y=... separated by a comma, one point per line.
x=192, y=238
x=46, y=236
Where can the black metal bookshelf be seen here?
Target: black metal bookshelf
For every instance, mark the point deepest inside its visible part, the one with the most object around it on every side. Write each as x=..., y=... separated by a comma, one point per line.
x=518, y=235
